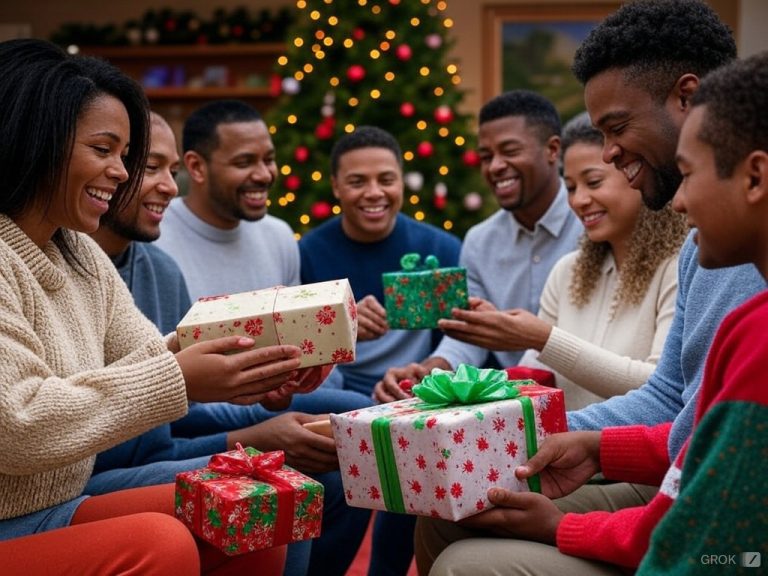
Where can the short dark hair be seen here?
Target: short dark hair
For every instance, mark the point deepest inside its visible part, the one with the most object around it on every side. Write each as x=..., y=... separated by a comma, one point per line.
x=656, y=42
x=200, y=135
x=44, y=91
x=364, y=137
x=580, y=129
x=736, y=100
x=538, y=111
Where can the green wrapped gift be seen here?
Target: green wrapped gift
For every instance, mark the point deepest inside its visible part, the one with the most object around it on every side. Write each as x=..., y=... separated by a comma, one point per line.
x=417, y=296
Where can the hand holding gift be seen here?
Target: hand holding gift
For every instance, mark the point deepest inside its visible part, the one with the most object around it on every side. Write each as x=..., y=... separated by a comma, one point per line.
x=371, y=319
x=389, y=388
x=483, y=325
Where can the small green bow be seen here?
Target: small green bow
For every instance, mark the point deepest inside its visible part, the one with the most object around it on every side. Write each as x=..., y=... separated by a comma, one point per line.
x=410, y=262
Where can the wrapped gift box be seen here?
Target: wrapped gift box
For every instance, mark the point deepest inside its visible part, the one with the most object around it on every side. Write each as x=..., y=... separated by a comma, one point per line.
x=245, y=500
x=419, y=295
x=419, y=457
x=319, y=318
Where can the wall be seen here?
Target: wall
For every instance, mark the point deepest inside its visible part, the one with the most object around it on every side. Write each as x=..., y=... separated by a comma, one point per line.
x=746, y=17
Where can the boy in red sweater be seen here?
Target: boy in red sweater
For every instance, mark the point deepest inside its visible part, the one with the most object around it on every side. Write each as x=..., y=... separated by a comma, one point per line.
x=714, y=497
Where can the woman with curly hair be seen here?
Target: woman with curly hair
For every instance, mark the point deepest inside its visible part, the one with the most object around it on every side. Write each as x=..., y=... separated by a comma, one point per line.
x=607, y=307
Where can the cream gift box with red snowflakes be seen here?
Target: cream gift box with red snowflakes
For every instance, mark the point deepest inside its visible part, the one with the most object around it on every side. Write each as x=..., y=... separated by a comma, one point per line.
x=417, y=456
x=319, y=318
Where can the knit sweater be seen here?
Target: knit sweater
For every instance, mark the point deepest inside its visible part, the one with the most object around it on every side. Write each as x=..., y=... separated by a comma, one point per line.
x=82, y=369
x=214, y=261
x=713, y=496
x=704, y=297
x=597, y=351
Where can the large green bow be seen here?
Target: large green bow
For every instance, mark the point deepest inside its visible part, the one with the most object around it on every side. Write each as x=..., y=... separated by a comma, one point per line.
x=468, y=385
x=410, y=262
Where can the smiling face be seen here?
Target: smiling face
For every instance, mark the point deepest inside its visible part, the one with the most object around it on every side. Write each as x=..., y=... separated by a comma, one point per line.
x=520, y=169
x=141, y=219
x=640, y=133
x=369, y=187
x=713, y=204
x=94, y=171
x=600, y=196
x=238, y=175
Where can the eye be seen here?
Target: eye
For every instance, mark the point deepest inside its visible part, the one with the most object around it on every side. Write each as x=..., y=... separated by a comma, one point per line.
x=103, y=150
x=596, y=183
x=151, y=167
x=618, y=129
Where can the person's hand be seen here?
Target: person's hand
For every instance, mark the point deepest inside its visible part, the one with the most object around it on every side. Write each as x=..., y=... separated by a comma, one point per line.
x=564, y=462
x=388, y=389
x=304, y=450
x=213, y=374
x=371, y=319
x=308, y=379
x=525, y=515
x=483, y=325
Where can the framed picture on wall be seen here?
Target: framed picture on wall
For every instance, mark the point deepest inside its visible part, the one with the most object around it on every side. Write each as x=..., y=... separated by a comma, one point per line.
x=531, y=46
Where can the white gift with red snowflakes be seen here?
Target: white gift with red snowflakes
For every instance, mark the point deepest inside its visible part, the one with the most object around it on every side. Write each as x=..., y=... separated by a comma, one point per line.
x=319, y=318
x=446, y=458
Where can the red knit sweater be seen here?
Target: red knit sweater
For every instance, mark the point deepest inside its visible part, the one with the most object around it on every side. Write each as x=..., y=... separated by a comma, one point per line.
x=733, y=417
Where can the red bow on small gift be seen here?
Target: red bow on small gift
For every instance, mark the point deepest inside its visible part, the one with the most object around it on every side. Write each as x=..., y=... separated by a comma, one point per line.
x=258, y=466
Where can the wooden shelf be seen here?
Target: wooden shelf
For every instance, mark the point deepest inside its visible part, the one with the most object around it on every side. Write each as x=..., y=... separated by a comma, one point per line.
x=192, y=66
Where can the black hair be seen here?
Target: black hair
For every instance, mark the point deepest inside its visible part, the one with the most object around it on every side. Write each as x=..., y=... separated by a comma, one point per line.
x=539, y=112
x=580, y=129
x=200, y=130
x=735, y=122
x=655, y=42
x=44, y=92
x=364, y=137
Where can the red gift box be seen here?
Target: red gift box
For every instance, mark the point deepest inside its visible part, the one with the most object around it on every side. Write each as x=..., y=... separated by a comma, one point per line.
x=245, y=500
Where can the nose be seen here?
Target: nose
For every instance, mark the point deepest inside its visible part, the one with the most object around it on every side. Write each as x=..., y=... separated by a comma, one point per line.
x=261, y=173
x=496, y=164
x=611, y=150
x=167, y=185
x=580, y=197
x=678, y=203
x=117, y=171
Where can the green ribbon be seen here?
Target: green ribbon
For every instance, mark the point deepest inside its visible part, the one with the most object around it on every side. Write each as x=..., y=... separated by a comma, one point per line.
x=440, y=389
x=468, y=385
x=410, y=262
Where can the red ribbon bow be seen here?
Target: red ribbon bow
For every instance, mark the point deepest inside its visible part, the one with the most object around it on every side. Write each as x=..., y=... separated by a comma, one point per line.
x=260, y=466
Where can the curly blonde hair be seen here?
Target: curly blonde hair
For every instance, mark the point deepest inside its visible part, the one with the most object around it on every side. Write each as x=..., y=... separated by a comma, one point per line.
x=657, y=236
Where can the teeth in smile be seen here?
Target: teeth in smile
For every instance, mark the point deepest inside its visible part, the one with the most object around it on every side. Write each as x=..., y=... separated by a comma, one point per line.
x=631, y=170
x=506, y=183
x=255, y=195
x=156, y=208
x=592, y=217
x=373, y=209
x=100, y=194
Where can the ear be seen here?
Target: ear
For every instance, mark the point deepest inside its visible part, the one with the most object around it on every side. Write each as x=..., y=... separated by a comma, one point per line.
x=756, y=171
x=197, y=167
x=334, y=187
x=683, y=90
x=553, y=149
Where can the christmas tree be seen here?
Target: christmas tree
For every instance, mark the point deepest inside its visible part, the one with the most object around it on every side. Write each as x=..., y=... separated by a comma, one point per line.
x=384, y=63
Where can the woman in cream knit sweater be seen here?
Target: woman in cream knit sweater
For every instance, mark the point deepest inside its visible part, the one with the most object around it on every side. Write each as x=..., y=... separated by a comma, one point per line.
x=82, y=369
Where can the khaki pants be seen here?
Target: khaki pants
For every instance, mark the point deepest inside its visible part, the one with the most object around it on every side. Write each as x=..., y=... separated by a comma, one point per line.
x=444, y=548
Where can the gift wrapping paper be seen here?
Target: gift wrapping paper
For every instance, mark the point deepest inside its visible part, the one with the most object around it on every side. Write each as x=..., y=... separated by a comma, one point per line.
x=319, y=318
x=417, y=297
x=245, y=500
x=441, y=461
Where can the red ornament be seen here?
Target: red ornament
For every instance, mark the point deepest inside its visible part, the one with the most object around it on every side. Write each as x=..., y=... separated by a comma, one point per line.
x=358, y=34
x=403, y=52
x=439, y=202
x=237, y=30
x=443, y=114
x=292, y=182
x=394, y=2
x=425, y=149
x=471, y=158
x=407, y=109
x=301, y=153
x=320, y=210
x=275, y=85
x=324, y=131
x=355, y=73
